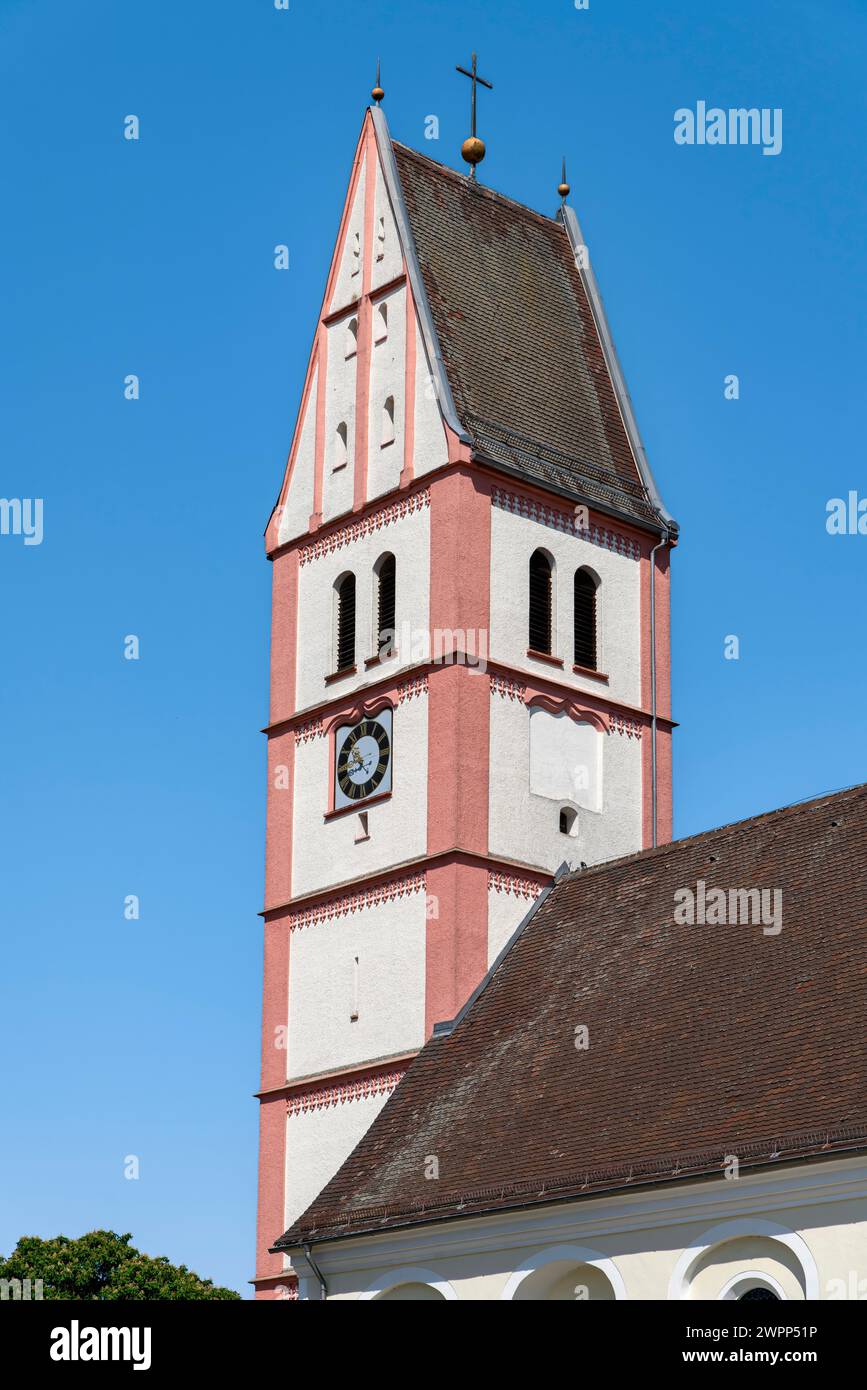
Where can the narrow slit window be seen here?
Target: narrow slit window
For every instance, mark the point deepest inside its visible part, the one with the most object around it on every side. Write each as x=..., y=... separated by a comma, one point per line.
x=585, y=620
x=356, y=253
x=341, y=446
x=380, y=239
x=352, y=337
x=388, y=422
x=345, y=654
x=540, y=603
x=353, y=1014
x=386, y=604
x=381, y=332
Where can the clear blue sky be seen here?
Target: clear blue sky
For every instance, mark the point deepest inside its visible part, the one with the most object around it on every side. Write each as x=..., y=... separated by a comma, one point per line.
x=156, y=258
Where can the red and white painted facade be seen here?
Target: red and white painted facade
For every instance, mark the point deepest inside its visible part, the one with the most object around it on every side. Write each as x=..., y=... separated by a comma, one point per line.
x=373, y=934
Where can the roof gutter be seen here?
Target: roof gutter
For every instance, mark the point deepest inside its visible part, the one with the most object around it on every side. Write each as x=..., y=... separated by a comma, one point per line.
x=323, y=1287
x=654, y=796
x=544, y=1198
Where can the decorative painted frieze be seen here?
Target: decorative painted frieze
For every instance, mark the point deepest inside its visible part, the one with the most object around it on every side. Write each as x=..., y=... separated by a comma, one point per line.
x=512, y=883
x=313, y=728
x=622, y=724
x=508, y=689
x=365, y=526
x=326, y=1097
x=411, y=688
x=521, y=505
x=357, y=902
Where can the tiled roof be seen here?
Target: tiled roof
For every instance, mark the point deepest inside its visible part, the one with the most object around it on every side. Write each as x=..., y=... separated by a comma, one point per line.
x=704, y=1040
x=521, y=349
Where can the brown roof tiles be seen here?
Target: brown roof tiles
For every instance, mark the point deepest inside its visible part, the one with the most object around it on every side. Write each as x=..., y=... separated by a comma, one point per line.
x=521, y=350
x=704, y=1040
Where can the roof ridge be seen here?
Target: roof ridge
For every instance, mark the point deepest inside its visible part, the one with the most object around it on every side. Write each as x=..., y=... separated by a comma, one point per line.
x=483, y=189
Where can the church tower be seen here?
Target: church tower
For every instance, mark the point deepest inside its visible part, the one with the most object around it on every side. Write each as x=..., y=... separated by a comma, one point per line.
x=470, y=641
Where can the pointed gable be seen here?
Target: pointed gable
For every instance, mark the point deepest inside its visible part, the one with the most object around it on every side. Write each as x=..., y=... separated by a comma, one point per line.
x=495, y=334
x=520, y=339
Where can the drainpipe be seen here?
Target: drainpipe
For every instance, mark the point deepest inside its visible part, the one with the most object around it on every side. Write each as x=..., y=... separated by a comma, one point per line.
x=663, y=541
x=317, y=1271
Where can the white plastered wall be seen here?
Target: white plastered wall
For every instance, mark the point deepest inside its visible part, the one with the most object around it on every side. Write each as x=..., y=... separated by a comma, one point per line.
x=506, y=912
x=513, y=540
x=429, y=440
x=317, y=1144
x=386, y=989
x=387, y=379
x=325, y=852
x=408, y=539
x=347, y=286
x=338, y=482
x=525, y=827
x=387, y=262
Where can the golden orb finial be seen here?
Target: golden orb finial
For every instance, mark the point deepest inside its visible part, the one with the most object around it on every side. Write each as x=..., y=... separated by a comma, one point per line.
x=564, y=189
x=377, y=92
x=473, y=151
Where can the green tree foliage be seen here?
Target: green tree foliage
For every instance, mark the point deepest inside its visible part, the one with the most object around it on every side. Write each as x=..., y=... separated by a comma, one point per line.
x=103, y=1265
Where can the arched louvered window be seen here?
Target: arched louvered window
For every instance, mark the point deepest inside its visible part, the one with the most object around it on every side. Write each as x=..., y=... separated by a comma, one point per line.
x=585, y=619
x=386, y=602
x=345, y=655
x=540, y=602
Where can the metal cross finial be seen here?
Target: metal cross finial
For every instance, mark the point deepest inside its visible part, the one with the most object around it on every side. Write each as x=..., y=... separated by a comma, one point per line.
x=473, y=75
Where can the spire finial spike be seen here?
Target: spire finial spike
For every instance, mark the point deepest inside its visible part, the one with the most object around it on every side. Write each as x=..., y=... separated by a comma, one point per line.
x=564, y=189
x=473, y=149
x=377, y=92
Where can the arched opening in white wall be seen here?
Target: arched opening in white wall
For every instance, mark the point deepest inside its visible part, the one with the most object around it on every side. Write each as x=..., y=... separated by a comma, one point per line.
x=540, y=634
x=568, y=822
x=729, y=1260
x=565, y=759
x=380, y=239
x=385, y=579
x=409, y=1285
x=344, y=623
x=586, y=619
x=388, y=422
x=752, y=1287
x=356, y=253
x=412, y=1293
x=381, y=323
x=566, y=1273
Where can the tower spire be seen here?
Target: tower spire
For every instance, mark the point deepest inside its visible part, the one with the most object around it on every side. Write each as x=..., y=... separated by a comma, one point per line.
x=563, y=189
x=473, y=149
x=377, y=92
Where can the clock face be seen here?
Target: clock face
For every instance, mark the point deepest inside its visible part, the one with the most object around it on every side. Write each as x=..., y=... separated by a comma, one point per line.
x=363, y=762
